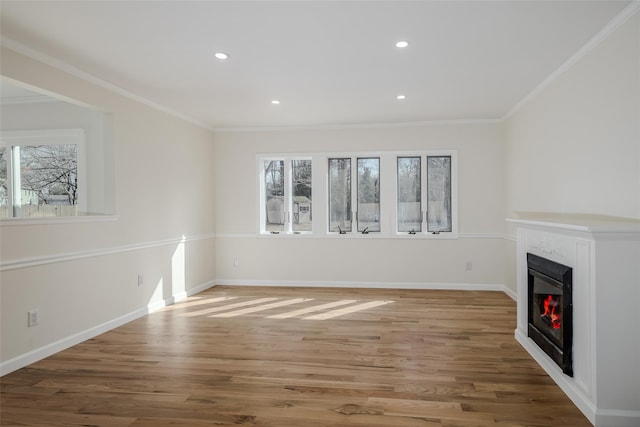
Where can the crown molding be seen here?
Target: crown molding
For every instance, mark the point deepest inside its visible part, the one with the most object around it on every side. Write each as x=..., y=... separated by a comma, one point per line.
x=602, y=35
x=35, y=99
x=385, y=125
x=39, y=56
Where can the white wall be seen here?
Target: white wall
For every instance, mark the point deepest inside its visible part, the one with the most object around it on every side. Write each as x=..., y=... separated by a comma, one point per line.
x=374, y=261
x=575, y=147
x=82, y=275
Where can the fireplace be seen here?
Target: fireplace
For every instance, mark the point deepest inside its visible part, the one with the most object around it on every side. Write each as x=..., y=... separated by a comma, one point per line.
x=550, y=307
x=599, y=257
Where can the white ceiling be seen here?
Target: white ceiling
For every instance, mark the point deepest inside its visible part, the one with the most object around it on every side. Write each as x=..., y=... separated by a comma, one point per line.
x=328, y=62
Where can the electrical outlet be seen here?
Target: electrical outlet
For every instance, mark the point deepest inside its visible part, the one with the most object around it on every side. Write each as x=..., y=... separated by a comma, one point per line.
x=32, y=318
x=469, y=266
x=236, y=262
x=140, y=279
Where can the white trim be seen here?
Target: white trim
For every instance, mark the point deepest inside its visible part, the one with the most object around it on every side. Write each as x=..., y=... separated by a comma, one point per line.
x=52, y=95
x=358, y=126
x=76, y=72
x=33, y=356
x=417, y=236
x=510, y=237
x=602, y=35
x=52, y=220
x=46, y=351
x=510, y=293
x=16, y=264
x=583, y=402
x=617, y=418
x=30, y=99
x=365, y=285
x=482, y=236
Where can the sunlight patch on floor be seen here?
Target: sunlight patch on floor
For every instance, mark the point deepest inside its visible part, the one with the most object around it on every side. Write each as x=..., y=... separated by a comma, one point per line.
x=312, y=309
x=347, y=310
x=262, y=307
x=202, y=301
x=247, y=305
x=228, y=307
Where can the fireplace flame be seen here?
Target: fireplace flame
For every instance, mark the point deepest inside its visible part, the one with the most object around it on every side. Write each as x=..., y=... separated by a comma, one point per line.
x=550, y=312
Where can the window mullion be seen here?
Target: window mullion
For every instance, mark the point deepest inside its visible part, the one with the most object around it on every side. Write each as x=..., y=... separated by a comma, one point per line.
x=16, y=181
x=8, y=179
x=424, y=193
x=354, y=195
x=288, y=195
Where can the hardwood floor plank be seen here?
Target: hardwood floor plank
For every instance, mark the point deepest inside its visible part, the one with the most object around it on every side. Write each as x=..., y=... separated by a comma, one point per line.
x=292, y=357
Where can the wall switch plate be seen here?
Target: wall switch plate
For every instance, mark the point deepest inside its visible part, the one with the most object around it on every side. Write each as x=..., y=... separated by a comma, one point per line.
x=140, y=279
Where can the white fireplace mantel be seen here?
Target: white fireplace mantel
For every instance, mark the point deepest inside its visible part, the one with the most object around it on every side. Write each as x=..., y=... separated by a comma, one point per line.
x=604, y=254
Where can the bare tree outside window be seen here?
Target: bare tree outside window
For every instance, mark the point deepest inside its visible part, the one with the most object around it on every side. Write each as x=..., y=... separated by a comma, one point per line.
x=274, y=195
x=369, y=194
x=4, y=190
x=340, y=195
x=43, y=180
x=409, y=194
x=302, y=200
x=423, y=202
x=50, y=172
x=439, y=194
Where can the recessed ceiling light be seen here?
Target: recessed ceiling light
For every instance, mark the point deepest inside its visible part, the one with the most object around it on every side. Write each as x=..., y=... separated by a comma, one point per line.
x=275, y=102
x=221, y=56
x=402, y=43
x=401, y=97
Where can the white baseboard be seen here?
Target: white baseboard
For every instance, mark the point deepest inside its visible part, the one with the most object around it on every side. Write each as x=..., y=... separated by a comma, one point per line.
x=372, y=285
x=55, y=347
x=599, y=417
x=617, y=418
x=50, y=349
x=583, y=402
x=511, y=293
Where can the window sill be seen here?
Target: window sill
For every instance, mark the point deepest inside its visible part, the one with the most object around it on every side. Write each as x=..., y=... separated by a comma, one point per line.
x=82, y=219
x=371, y=235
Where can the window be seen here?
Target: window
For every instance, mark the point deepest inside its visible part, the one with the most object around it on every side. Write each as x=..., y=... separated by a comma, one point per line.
x=439, y=194
x=340, y=195
x=5, y=203
x=352, y=198
x=368, y=194
x=41, y=173
x=409, y=194
x=274, y=195
x=286, y=195
x=439, y=208
x=301, y=192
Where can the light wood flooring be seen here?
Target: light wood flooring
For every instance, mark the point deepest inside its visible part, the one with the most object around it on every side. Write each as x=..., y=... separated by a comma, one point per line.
x=298, y=357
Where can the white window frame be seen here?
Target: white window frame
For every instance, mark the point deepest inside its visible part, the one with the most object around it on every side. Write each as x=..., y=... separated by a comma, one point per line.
x=288, y=193
x=355, y=219
x=388, y=193
x=20, y=138
x=424, y=190
x=422, y=195
x=353, y=195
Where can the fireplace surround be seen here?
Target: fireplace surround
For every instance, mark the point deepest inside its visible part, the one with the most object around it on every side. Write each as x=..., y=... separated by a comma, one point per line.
x=604, y=257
